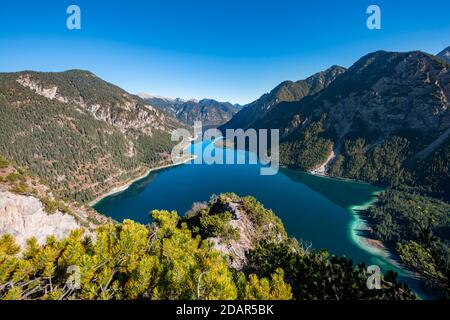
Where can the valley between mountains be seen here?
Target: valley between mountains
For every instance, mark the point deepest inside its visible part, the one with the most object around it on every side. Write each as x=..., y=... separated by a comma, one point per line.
x=68, y=138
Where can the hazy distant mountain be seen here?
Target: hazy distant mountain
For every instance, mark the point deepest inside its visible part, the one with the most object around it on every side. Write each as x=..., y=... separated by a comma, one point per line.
x=159, y=102
x=82, y=134
x=444, y=54
x=286, y=91
x=212, y=113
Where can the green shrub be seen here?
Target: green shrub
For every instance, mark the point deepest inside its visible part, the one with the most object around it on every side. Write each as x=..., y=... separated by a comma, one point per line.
x=50, y=206
x=3, y=163
x=20, y=188
x=217, y=225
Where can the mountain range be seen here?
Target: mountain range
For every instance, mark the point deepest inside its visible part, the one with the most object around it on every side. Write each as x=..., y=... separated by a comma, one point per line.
x=212, y=113
x=384, y=120
x=285, y=91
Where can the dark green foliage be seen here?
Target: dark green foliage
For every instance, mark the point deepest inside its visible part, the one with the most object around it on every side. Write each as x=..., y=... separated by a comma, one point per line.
x=311, y=274
x=217, y=225
x=382, y=164
x=317, y=275
x=432, y=263
x=209, y=220
x=266, y=221
x=308, y=151
x=398, y=216
x=433, y=174
x=419, y=228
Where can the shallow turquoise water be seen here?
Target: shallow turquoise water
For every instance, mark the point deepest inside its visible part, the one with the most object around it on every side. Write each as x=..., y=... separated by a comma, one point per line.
x=315, y=209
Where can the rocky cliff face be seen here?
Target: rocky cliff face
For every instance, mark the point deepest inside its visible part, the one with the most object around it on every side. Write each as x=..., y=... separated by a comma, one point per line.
x=29, y=209
x=236, y=248
x=412, y=91
x=102, y=100
x=24, y=217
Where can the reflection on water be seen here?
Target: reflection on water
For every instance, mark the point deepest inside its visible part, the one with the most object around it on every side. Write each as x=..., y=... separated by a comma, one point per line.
x=332, y=188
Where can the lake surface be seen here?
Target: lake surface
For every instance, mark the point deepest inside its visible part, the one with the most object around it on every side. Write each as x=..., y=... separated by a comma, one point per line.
x=317, y=210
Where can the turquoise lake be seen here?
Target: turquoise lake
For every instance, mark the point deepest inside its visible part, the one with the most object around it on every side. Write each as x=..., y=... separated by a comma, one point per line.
x=317, y=210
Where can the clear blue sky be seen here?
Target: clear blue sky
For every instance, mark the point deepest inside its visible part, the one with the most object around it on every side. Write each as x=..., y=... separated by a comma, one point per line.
x=231, y=50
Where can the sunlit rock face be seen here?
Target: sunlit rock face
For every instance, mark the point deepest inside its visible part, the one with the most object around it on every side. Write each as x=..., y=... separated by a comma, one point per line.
x=24, y=217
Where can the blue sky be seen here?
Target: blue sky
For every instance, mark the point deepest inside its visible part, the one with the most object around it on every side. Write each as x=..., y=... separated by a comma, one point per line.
x=232, y=50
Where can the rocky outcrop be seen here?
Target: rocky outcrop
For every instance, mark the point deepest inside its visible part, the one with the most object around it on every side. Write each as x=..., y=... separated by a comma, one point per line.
x=24, y=217
x=236, y=249
x=247, y=223
x=50, y=92
x=29, y=209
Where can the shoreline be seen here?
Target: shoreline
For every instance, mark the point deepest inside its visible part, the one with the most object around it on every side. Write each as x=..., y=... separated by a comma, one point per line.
x=384, y=255
x=358, y=226
x=128, y=184
x=373, y=246
x=131, y=182
x=359, y=234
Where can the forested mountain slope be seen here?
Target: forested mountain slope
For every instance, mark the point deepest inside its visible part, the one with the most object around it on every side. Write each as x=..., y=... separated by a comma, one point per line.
x=286, y=91
x=386, y=120
x=80, y=133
